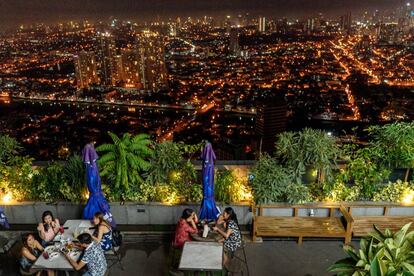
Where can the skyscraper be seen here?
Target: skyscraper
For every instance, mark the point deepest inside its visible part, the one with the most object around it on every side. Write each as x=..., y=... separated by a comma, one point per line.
x=234, y=46
x=262, y=24
x=85, y=69
x=270, y=121
x=346, y=23
x=131, y=68
x=106, y=51
x=153, y=71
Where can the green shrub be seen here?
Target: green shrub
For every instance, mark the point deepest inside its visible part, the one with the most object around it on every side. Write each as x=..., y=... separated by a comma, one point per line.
x=270, y=181
x=393, y=192
x=298, y=193
x=47, y=182
x=16, y=178
x=309, y=148
x=229, y=188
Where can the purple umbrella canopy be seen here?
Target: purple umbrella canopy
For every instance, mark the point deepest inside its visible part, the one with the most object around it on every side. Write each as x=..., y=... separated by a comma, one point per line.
x=209, y=210
x=3, y=219
x=96, y=201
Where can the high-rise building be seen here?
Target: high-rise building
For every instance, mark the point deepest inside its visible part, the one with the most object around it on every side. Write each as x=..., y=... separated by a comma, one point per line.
x=153, y=75
x=310, y=25
x=118, y=73
x=346, y=23
x=234, y=46
x=131, y=68
x=262, y=24
x=85, y=69
x=105, y=53
x=270, y=121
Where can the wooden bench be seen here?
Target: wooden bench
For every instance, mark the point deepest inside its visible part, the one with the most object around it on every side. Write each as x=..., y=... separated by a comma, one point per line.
x=363, y=225
x=301, y=226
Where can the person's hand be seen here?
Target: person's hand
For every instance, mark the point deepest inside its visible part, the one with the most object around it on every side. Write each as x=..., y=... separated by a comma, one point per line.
x=215, y=228
x=40, y=227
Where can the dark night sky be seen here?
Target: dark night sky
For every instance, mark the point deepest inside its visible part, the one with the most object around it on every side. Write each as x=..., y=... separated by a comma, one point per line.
x=26, y=11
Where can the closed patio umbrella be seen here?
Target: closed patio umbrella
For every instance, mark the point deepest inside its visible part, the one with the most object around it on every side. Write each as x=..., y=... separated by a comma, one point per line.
x=209, y=209
x=3, y=219
x=96, y=201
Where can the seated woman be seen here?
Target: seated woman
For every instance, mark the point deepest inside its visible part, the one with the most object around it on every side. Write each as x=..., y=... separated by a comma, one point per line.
x=103, y=232
x=48, y=228
x=185, y=226
x=31, y=250
x=232, y=235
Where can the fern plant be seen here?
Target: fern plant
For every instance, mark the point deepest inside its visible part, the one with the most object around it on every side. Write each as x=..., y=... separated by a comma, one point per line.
x=125, y=159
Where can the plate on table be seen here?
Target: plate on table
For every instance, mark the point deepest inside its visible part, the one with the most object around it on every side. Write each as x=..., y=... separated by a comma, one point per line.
x=75, y=254
x=53, y=255
x=50, y=249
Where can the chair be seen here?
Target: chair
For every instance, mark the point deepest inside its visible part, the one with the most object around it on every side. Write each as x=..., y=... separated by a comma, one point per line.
x=236, y=263
x=25, y=273
x=114, y=257
x=175, y=253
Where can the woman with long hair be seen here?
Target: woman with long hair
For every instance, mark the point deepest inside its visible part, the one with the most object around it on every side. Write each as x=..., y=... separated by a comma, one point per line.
x=103, y=232
x=232, y=235
x=185, y=226
x=31, y=250
x=48, y=228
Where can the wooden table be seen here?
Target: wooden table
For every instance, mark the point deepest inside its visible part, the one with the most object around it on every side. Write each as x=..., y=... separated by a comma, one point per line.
x=202, y=256
x=211, y=236
x=60, y=262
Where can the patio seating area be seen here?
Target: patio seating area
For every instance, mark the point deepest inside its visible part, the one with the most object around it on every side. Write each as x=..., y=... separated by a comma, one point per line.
x=147, y=254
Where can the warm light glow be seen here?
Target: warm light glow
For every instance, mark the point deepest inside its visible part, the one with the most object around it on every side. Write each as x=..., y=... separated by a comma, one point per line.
x=408, y=197
x=7, y=197
x=171, y=199
x=86, y=195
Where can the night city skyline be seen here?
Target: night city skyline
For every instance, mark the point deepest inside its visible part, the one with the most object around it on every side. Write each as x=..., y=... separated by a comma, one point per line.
x=233, y=72
x=14, y=13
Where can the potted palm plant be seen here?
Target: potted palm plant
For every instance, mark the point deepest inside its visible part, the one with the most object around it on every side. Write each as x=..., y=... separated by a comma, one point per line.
x=395, y=146
x=310, y=153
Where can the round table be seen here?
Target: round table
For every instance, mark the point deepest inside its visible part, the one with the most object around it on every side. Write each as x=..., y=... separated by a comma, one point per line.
x=211, y=236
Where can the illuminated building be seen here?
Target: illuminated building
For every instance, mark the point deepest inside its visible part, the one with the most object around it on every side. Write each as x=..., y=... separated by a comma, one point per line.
x=262, y=24
x=234, y=47
x=346, y=23
x=270, y=121
x=153, y=73
x=85, y=69
x=105, y=52
x=131, y=68
x=310, y=25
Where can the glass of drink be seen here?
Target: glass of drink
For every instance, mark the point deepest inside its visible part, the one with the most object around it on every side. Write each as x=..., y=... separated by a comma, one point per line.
x=69, y=246
x=61, y=230
x=45, y=255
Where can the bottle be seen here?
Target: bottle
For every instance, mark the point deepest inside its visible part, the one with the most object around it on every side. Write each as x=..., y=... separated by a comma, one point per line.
x=205, y=231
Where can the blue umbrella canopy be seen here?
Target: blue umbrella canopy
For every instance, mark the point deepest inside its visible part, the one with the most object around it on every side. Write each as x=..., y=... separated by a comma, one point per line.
x=209, y=209
x=96, y=201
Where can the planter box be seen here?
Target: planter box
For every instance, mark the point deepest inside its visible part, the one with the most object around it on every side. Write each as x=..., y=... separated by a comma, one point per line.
x=129, y=213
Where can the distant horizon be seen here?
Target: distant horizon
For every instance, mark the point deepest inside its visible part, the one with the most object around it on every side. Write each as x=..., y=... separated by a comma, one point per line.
x=15, y=13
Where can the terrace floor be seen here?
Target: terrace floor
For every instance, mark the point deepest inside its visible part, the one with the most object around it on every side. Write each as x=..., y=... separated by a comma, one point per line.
x=147, y=255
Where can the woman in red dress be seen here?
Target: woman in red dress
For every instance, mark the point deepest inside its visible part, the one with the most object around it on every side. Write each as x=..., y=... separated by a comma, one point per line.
x=185, y=226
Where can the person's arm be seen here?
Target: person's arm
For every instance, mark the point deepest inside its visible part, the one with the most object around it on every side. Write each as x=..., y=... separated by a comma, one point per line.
x=98, y=238
x=41, y=230
x=28, y=255
x=55, y=226
x=195, y=218
x=193, y=224
x=76, y=265
x=39, y=246
x=225, y=234
x=190, y=227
